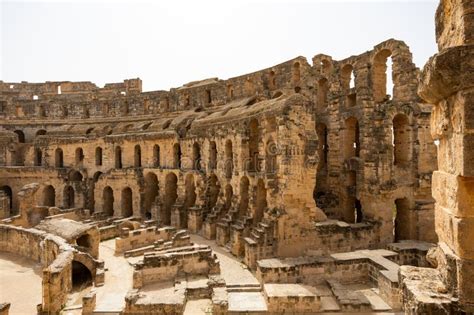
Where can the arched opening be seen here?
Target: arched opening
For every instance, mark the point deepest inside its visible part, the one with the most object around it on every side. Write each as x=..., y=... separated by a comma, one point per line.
x=38, y=157
x=127, y=202
x=244, y=196
x=323, y=148
x=40, y=132
x=352, y=204
x=75, y=176
x=228, y=194
x=81, y=276
x=261, y=201
x=230, y=91
x=271, y=80
x=322, y=92
x=196, y=156
x=21, y=136
x=351, y=138
x=177, y=156
x=296, y=73
x=229, y=159
x=151, y=192
x=68, y=197
x=96, y=176
x=108, y=197
x=212, y=155
x=401, y=220
x=171, y=194
x=326, y=67
x=156, y=156
x=84, y=241
x=49, y=196
x=271, y=156
x=401, y=140
x=347, y=77
x=118, y=157
x=358, y=211
x=98, y=156
x=9, y=193
x=213, y=190
x=138, y=156
x=58, y=158
x=79, y=156
x=379, y=76
x=254, y=140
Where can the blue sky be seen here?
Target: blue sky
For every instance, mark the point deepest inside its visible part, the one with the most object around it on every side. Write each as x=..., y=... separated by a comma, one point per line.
x=169, y=43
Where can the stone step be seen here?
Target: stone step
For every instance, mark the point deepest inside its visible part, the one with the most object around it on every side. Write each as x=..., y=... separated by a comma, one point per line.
x=244, y=287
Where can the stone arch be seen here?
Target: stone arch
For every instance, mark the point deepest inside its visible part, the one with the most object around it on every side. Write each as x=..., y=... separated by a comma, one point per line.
x=401, y=220
x=137, y=156
x=98, y=156
x=40, y=132
x=229, y=159
x=49, y=196
x=108, y=198
x=79, y=156
x=127, y=202
x=81, y=276
x=347, y=77
x=8, y=191
x=213, y=190
x=118, y=157
x=351, y=138
x=68, y=197
x=171, y=194
x=244, y=196
x=177, y=156
x=228, y=194
x=58, y=158
x=21, y=136
x=38, y=160
x=401, y=140
x=156, y=156
x=196, y=156
x=260, y=202
x=379, y=75
x=322, y=94
x=75, y=176
x=151, y=193
x=212, y=155
x=296, y=73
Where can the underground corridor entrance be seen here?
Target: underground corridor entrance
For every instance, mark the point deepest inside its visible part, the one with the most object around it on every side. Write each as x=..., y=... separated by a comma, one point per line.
x=81, y=276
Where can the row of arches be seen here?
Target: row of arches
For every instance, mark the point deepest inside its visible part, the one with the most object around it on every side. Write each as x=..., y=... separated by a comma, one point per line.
x=402, y=139
x=22, y=137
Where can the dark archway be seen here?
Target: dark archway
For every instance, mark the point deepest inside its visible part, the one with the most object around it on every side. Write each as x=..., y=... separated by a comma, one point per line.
x=79, y=156
x=108, y=197
x=49, y=196
x=138, y=156
x=38, y=157
x=118, y=157
x=229, y=159
x=68, y=197
x=171, y=194
x=254, y=140
x=176, y=156
x=58, y=158
x=81, y=276
x=244, y=196
x=8, y=191
x=151, y=193
x=212, y=155
x=156, y=156
x=196, y=156
x=401, y=220
x=98, y=156
x=261, y=201
x=351, y=138
x=21, y=136
x=127, y=202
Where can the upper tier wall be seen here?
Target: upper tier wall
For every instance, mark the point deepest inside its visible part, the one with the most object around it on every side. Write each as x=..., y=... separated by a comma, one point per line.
x=84, y=100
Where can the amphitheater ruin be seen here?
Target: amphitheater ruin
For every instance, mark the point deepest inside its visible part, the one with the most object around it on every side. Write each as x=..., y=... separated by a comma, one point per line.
x=300, y=188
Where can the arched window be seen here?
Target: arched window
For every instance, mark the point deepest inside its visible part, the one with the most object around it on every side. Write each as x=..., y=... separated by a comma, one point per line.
x=127, y=202
x=177, y=155
x=271, y=80
x=212, y=191
x=244, y=197
x=379, y=75
x=401, y=220
x=212, y=155
x=58, y=158
x=156, y=156
x=196, y=156
x=98, y=156
x=171, y=194
x=296, y=73
x=68, y=197
x=38, y=157
x=229, y=159
x=108, y=197
x=41, y=132
x=21, y=136
x=322, y=92
x=351, y=138
x=151, y=193
x=401, y=140
x=118, y=157
x=49, y=196
x=138, y=156
x=79, y=156
x=347, y=77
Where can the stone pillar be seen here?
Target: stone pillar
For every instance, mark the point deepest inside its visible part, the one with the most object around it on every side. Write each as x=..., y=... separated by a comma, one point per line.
x=194, y=219
x=447, y=82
